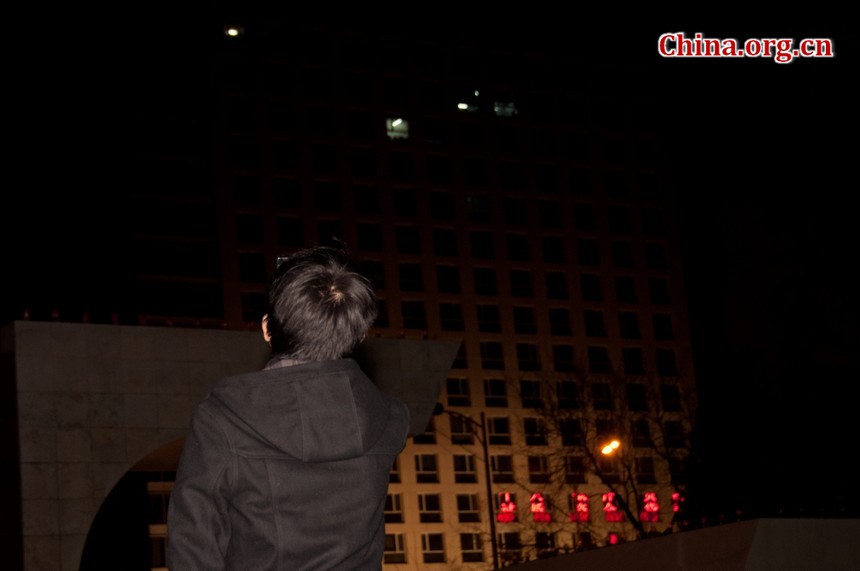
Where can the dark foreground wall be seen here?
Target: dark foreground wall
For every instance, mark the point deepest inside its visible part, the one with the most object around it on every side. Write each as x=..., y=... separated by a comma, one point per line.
x=755, y=545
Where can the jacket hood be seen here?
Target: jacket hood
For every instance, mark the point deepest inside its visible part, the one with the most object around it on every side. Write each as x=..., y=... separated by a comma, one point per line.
x=315, y=412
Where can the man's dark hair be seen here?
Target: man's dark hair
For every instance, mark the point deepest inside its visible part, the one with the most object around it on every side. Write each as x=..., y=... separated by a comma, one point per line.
x=319, y=307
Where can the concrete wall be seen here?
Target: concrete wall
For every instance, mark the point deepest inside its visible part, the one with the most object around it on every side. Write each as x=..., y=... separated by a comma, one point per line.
x=755, y=545
x=91, y=402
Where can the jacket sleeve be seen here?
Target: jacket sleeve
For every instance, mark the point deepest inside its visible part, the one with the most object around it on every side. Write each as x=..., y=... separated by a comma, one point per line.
x=198, y=528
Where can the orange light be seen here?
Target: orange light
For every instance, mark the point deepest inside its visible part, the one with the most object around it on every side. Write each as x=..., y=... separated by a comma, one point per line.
x=610, y=448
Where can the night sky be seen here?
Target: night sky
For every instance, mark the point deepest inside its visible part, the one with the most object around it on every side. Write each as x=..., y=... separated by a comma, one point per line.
x=764, y=160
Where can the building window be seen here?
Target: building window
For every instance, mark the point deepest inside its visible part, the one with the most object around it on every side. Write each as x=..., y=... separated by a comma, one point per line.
x=571, y=432
x=538, y=470
x=394, y=473
x=628, y=323
x=562, y=358
x=645, y=470
x=249, y=229
x=464, y=469
x=518, y=248
x=588, y=252
x=499, y=430
x=556, y=285
x=566, y=395
x=462, y=431
x=549, y=214
x=369, y=237
x=583, y=217
x=291, y=232
x=439, y=172
x=598, y=360
x=404, y=201
x=674, y=434
x=622, y=254
x=395, y=548
x=527, y=357
x=642, y=434
x=516, y=211
x=495, y=393
x=625, y=289
x=540, y=508
x=458, y=392
x=594, y=325
x=530, y=393
x=450, y=316
x=655, y=257
x=485, y=281
x=489, y=320
x=559, y=321
x=670, y=396
x=574, y=470
x=468, y=508
x=471, y=548
x=363, y=163
x=366, y=199
x=482, y=245
x=662, y=326
x=666, y=364
x=414, y=316
x=444, y=242
x=408, y=240
x=448, y=279
x=524, y=320
x=502, y=467
x=652, y=222
x=601, y=396
x=659, y=289
x=429, y=508
x=579, y=510
x=429, y=434
x=591, y=287
x=393, y=509
x=492, y=355
x=553, y=249
x=510, y=547
x=433, y=547
x=475, y=174
x=611, y=511
x=619, y=220
x=411, y=277
x=650, y=508
x=521, y=283
x=426, y=471
x=535, y=431
x=506, y=507
x=637, y=400
x=397, y=128
x=633, y=362
x=545, y=544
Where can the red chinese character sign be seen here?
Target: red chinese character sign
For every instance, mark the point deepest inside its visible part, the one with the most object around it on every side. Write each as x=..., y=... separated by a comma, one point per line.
x=507, y=508
x=610, y=507
x=540, y=513
x=580, y=507
x=650, y=508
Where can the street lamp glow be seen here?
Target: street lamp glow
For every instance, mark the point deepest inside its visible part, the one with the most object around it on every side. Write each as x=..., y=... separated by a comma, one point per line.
x=610, y=448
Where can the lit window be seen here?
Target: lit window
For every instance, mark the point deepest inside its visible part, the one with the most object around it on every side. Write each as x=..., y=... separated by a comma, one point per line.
x=610, y=507
x=614, y=539
x=677, y=502
x=540, y=510
x=505, y=108
x=650, y=508
x=507, y=509
x=579, y=507
x=395, y=550
x=234, y=31
x=397, y=128
x=468, y=101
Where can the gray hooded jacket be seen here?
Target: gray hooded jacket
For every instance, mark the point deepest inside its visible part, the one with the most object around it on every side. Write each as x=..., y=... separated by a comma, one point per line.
x=286, y=468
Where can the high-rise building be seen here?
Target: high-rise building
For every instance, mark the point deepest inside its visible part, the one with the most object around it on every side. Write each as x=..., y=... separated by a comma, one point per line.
x=498, y=193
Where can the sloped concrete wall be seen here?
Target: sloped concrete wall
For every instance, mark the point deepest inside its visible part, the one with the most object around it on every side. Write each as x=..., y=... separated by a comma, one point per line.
x=92, y=400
